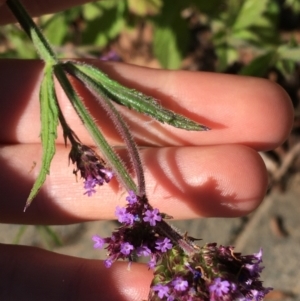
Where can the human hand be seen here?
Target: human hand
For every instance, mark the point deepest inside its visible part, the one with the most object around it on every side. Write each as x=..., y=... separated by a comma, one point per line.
x=188, y=174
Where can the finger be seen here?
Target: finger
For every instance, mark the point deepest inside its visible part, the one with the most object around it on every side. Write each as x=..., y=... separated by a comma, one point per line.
x=37, y=7
x=41, y=275
x=185, y=182
x=250, y=111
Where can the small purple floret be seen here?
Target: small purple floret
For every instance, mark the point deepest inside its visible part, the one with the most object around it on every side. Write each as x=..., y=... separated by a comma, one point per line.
x=180, y=284
x=89, y=185
x=163, y=244
x=143, y=251
x=152, y=263
x=123, y=216
x=99, y=242
x=219, y=288
x=258, y=255
x=162, y=290
x=132, y=198
x=126, y=248
x=152, y=216
x=107, y=174
x=108, y=263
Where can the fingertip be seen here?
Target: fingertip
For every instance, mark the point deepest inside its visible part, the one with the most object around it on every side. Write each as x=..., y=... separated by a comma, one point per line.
x=44, y=275
x=210, y=181
x=281, y=109
x=129, y=282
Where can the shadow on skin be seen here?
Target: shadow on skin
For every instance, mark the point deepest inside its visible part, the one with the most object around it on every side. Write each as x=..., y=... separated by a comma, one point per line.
x=14, y=100
x=205, y=199
x=145, y=135
x=36, y=274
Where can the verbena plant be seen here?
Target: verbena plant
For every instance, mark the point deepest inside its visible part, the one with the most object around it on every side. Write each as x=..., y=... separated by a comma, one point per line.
x=183, y=270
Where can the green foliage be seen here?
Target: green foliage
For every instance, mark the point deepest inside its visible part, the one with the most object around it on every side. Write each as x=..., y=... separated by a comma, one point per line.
x=105, y=22
x=171, y=35
x=293, y=4
x=248, y=24
x=56, y=29
x=145, y=7
x=235, y=25
x=48, y=236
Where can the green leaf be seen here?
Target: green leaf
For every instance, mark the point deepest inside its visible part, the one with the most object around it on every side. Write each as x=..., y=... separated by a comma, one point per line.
x=56, y=29
x=138, y=101
x=144, y=7
x=166, y=48
x=286, y=67
x=171, y=35
x=106, y=27
x=227, y=55
x=289, y=53
x=250, y=12
x=260, y=65
x=49, y=122
x=91, y=11
x=23, y=49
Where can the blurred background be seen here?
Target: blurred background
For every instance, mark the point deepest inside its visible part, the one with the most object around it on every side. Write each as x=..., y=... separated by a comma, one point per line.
x=248, y=37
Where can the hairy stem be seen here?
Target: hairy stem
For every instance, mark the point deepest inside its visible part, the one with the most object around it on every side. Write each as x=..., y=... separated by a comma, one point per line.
x=117, y=119
x=42, y=46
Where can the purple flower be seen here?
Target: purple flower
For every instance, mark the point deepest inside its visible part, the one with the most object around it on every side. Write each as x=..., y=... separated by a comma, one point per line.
x=107, y=174
x=89, y=185
x=163, y=244
x=108, y=263
x=99, y=242
x=180, y=284
x=123, y=216
x=132, y=198
x=152, y=216
x=258, y=256
x=258, y=295
x=90, y=165
x=219, y=288
x=152, y=263
x=143, y=251
x=253, y=269
x=162, y=290
x=126, y=248
x=110, y=56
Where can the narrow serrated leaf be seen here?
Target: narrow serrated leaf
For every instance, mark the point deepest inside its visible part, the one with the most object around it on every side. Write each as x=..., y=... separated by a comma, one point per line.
x=138, y=101
x=49, y=122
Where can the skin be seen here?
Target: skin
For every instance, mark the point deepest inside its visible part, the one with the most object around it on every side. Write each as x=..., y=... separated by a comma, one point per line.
x=188, y=174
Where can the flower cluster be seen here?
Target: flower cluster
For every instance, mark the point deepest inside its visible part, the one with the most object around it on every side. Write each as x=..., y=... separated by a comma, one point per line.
x=183, y=271
x=211, y=273
x=91, y=166
x=138, y=235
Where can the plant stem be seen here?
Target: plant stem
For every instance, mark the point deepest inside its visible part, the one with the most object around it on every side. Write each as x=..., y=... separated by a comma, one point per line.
x=42, y=46
x=99, y=139
x=117, y=119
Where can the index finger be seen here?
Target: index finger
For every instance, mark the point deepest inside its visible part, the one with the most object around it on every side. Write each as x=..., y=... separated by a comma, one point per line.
x=250, y=111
